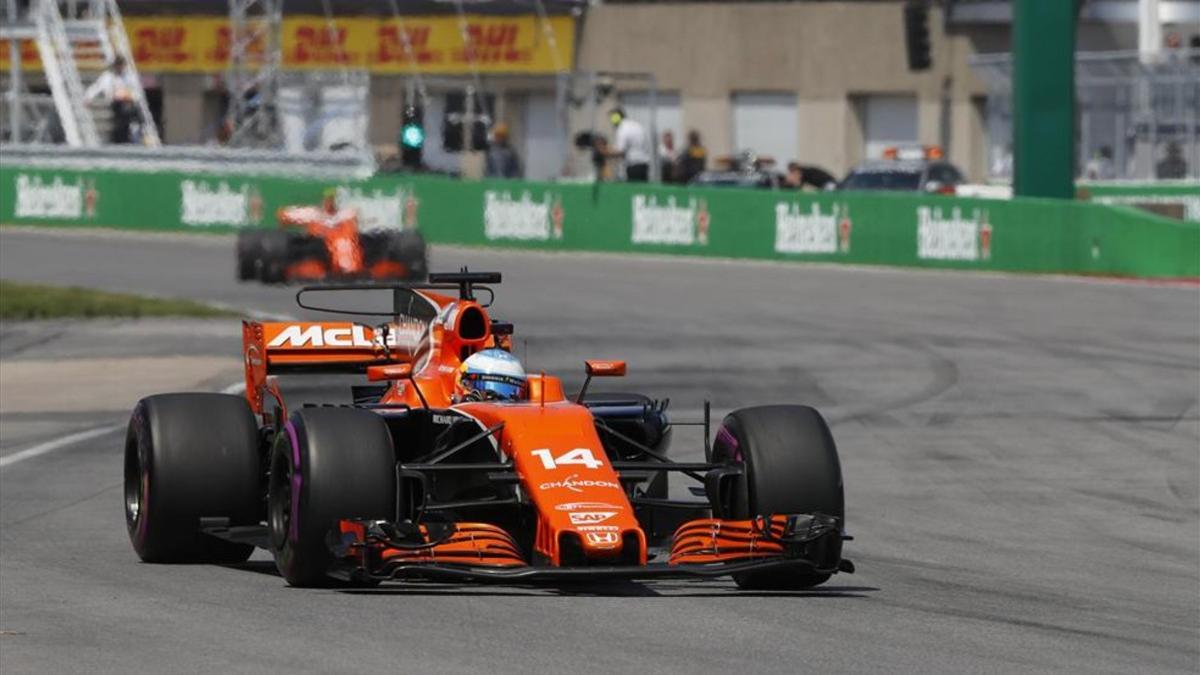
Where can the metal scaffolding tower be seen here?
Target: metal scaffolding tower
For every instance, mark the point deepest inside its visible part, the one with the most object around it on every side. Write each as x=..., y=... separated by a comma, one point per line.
x=252, y=80
x=74, y=39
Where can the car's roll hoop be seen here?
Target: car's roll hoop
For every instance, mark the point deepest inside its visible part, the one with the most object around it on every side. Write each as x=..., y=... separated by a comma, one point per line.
x=465, y=283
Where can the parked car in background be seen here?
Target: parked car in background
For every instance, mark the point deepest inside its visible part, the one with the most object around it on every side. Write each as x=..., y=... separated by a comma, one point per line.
x=906, y=170
x=747, y=169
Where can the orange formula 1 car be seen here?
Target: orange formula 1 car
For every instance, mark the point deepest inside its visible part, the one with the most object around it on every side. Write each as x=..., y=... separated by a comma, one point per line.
x=443, y=470
x=325, y=243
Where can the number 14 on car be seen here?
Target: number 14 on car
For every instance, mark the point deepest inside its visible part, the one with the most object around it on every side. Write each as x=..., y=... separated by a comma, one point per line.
x=580, y=456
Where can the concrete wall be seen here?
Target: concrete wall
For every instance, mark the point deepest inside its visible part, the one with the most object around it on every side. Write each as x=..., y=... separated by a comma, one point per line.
x=828, y=53
x=832, y=55
x=185, y=118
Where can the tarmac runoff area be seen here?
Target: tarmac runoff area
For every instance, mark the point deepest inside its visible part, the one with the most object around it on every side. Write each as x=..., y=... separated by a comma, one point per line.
x=87, y=375
x=1021, y=456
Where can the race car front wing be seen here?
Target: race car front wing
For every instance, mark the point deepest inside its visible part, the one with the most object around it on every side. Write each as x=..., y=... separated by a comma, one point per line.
x=374, y=550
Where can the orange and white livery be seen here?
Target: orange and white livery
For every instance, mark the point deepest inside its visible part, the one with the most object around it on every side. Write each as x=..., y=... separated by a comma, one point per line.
x=413, y=480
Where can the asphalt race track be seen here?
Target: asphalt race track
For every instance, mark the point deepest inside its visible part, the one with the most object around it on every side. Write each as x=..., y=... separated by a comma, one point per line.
x=1021, y=455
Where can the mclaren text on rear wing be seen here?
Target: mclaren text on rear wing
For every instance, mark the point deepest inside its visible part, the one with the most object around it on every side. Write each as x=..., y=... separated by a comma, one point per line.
x=324, y=347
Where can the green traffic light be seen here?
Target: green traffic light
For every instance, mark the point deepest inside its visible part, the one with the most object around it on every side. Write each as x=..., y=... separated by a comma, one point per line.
x=412, y=136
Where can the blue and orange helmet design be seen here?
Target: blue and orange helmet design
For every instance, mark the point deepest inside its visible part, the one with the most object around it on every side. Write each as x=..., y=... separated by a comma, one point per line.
x=491, y=370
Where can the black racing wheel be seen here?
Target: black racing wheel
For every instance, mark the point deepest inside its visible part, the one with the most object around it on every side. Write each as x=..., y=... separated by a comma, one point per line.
x=276, y=249
x=790, y=466
x=327, y=464
x=187, y=457
x=249, y=254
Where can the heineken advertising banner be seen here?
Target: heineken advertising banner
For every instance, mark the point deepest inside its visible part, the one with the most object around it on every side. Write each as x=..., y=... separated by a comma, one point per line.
x=861, y=228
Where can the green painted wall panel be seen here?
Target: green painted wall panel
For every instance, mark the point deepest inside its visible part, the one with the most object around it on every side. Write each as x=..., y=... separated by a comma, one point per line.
x=914, y=230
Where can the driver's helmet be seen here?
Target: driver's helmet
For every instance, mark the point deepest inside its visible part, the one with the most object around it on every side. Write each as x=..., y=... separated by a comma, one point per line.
x=490, y=374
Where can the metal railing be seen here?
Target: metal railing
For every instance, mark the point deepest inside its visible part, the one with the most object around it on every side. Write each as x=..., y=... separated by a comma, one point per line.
x=193, y=159
x=1137, y=118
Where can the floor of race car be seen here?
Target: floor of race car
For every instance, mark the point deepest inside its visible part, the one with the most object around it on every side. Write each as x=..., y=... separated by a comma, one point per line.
x=1020, y=458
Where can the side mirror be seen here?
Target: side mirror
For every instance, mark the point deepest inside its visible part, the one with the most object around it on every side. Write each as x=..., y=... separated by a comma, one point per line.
x=599, y=369
x=604, y=368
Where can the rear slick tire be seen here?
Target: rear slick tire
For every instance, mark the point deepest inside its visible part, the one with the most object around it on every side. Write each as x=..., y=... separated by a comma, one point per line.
x=187, y=457
x=249, y=254
x=327, y=464
x=791, y=466
x=275, y=256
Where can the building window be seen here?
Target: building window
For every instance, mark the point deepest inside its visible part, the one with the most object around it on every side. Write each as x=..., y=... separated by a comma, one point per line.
x=766, y=124
x=888, y=121
x=543, y=138
x=668, y=116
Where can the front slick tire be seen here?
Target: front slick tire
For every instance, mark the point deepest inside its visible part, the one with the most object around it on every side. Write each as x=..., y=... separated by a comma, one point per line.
x=190, y=456
x=327, y=464
x=791, y=466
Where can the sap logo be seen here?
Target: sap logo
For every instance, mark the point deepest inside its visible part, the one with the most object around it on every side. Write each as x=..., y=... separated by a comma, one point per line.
x=590, y=517
x=603, y=538
x=598, y=528
x=317, y=335
x=576, y=506
x=573, y=484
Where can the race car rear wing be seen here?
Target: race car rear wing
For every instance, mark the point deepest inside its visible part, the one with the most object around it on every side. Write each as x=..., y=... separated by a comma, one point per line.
x=272, y=348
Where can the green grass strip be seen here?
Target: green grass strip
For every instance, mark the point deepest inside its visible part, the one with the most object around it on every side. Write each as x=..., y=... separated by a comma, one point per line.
x=33, y=301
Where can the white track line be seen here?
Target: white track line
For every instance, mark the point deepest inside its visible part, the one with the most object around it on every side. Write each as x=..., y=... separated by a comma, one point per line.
x=57, y=444
x=81, y=436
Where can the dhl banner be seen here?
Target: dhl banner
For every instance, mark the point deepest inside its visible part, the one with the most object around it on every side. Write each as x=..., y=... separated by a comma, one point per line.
x=29, y=55
x=438, y=44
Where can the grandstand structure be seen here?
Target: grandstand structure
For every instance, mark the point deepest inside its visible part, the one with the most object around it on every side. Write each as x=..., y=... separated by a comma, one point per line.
x=76, y=42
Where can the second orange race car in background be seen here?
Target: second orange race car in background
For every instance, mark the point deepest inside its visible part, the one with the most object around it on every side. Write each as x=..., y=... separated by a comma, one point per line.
x=326, y=243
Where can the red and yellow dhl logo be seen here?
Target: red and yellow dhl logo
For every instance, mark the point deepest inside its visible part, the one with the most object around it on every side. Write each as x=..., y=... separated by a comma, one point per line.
x=391, y=48
x=160, y=44
x=493, y=44
x=492, y=34
x=29, y=52
x=202, y=44
x=311, y=44
x=224, y=45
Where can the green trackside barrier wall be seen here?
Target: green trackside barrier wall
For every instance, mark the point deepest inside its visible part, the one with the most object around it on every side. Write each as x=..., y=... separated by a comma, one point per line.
x=876, y=229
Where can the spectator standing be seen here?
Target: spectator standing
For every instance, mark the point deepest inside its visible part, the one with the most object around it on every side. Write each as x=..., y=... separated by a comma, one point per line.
x=632, y=145
x=667, y=157
x=600, y=155
x=116, y=86
x=795, y=176
x=1100, y=166
x=502, y=160
x=694, y=159
x=1174, y=166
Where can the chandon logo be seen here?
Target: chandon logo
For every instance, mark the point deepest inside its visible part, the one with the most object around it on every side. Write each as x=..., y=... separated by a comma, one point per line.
x=573, y=484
